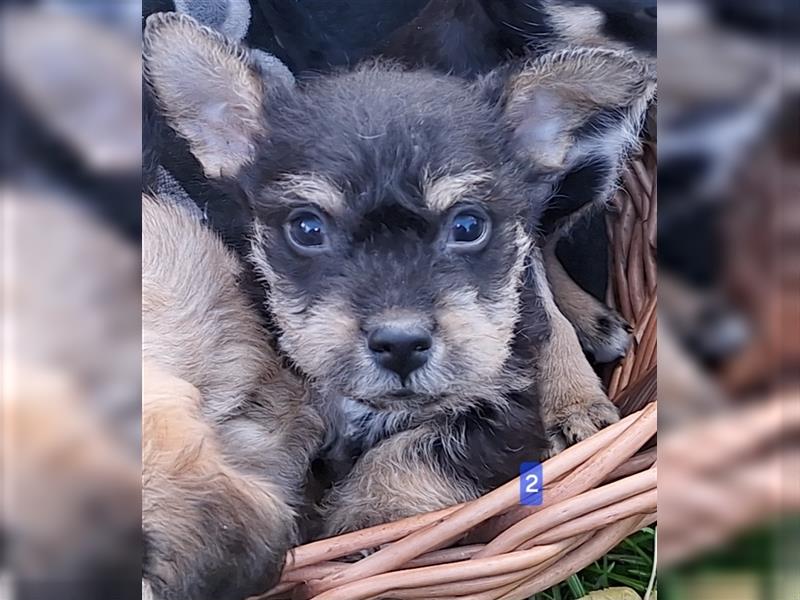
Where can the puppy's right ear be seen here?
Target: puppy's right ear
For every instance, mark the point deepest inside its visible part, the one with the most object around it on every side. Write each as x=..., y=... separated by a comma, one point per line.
x=210, y=90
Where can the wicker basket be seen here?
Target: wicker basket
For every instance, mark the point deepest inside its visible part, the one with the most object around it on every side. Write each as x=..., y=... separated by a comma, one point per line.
x=597, y=493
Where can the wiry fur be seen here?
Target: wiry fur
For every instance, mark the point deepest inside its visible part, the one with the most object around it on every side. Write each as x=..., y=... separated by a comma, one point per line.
x=227, y=431
x=469, y=37
x=384, y=137
x=400, y=476
x=472, y=37
x=211, y=530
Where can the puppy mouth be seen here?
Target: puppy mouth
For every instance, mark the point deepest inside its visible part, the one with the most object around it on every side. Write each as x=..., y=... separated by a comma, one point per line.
x=398, y=398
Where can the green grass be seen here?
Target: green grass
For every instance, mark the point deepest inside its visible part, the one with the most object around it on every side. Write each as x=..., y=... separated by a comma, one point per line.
x=765, y=555
x=629, y=564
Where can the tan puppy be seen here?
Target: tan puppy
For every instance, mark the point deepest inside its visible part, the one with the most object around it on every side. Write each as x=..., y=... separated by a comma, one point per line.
x=226, y=433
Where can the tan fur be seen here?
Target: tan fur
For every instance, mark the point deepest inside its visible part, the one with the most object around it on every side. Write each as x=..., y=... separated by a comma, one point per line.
x=312, y=189
x=574, y=405
x=329, y=320
x=490, y=323
x=588, y=77
x=395, y=479
x=399, y=475
x=189, y=285
x=227, y=430
x=443, y=192
x=475, y=333
x=184, y=474
x=585, y=312
x=579, y=25
x=483, y=336
x=258, y=256
x=185, y=63
x=485, y=329
x=319, y=337
x=198, y=326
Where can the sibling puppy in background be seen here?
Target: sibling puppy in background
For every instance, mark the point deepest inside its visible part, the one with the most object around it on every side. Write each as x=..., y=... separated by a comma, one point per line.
x=394, y=227
x=227, y=431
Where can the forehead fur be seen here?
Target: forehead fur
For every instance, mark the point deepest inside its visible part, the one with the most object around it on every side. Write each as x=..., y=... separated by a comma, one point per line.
x=381, y=133
x=442, y=192
x=313, y=188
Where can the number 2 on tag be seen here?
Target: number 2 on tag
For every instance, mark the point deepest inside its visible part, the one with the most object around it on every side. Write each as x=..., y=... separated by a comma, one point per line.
x=530, y=484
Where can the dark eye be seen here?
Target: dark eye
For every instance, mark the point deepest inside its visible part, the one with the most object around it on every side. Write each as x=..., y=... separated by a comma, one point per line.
x=469, y=230
x=306, y=231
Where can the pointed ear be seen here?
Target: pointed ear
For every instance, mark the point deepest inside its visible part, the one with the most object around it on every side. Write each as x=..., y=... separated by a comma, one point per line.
x=578, y=105
x=209, y=89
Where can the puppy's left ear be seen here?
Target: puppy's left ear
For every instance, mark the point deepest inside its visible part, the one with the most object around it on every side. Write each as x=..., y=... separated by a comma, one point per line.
x=210, y=89
x=578, y=105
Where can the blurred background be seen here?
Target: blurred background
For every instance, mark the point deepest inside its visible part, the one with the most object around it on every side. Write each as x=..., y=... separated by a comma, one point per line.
x=69, y=315
x=729, y=301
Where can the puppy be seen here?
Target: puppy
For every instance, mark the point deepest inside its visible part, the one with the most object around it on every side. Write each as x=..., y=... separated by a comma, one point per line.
x=470, y=38
x=227, y=432
x=394, y=218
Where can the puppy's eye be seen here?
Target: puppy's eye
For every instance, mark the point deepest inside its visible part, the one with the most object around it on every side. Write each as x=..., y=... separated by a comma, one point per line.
x=305, y=230
x=469, y=230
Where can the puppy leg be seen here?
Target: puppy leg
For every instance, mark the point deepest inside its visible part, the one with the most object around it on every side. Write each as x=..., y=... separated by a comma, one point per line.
x=574, y=405
x=602, y=331
x=210, y=532
x=402, y=476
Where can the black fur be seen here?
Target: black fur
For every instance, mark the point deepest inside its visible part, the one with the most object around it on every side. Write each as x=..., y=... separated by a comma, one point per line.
x=497, y=442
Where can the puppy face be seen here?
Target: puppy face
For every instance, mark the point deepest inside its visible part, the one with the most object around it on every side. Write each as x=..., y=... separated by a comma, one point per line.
x=393, y=212
x=392, y=226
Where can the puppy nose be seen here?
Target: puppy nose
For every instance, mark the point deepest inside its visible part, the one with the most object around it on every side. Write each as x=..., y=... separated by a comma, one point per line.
x=401, y=350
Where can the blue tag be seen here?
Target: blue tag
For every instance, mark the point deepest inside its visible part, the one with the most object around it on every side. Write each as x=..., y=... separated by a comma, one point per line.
x=531, y=484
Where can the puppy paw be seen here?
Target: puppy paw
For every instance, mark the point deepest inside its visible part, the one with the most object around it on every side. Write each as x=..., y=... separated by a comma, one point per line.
x=343, y=518
x=604, y=335
x=584, y=420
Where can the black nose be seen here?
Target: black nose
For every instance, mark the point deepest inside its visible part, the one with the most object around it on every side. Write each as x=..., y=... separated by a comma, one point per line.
x=401, y=350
